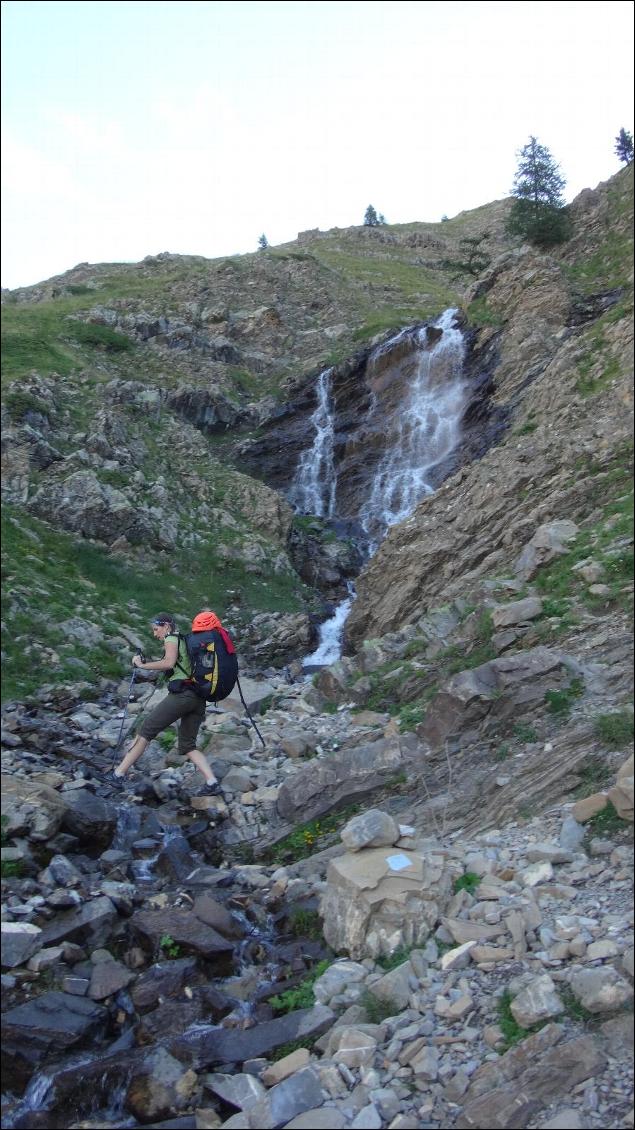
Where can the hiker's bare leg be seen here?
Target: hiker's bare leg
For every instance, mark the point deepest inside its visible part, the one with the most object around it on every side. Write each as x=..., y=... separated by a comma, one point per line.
x=202, y=765
x=133, y=754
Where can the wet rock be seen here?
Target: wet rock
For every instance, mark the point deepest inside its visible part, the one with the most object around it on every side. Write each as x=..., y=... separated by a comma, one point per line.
x=160, y=1087
x=235, y=1046
x=163, y=980
x=51, y=1023
x=169, y=1020
x=214, y=914
x=183, y=927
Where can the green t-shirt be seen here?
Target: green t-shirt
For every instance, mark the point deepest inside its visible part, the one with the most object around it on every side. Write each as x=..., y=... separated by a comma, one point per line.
x=182, y=668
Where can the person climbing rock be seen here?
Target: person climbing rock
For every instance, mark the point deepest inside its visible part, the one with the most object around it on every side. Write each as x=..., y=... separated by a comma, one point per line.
x=181, y=705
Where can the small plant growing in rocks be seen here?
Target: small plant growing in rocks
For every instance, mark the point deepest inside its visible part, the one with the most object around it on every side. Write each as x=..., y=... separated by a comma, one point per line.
x=301, y=996
x=468, y=882
x=169, y=947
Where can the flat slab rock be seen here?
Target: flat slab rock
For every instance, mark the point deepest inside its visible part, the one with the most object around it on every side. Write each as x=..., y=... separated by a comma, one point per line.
x=51, y=1022
x=233, y=1045
x=183, y=927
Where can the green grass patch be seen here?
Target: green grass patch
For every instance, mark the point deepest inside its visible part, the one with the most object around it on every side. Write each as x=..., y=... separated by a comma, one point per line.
x=615, y=730
x=605, y=823
x=468, y=882
x=573, y=1007
x=305, y=924
x=309, y=838
x=376, y=1009
x=561, y=702
x=392, y=960
x=503, y=752
x=292, y=1046
x=525, y=733
x=302, y=996
x=480, y=314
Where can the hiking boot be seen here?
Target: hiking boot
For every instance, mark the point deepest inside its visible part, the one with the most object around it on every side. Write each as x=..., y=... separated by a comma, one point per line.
x=111, y=778
x=212, y=789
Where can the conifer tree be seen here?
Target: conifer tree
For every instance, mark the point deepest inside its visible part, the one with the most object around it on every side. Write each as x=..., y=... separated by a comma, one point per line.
x=474, y=258
x=624, y=146
x=263, y=242
x=371, y=219
x=539, y=213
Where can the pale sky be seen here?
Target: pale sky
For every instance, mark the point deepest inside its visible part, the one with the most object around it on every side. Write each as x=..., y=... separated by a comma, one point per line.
x=132, y=128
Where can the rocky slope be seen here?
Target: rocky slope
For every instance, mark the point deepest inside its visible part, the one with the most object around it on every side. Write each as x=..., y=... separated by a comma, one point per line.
x=166, y=949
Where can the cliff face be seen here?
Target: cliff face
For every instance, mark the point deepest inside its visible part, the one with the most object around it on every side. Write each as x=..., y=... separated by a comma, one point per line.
x=562, y=330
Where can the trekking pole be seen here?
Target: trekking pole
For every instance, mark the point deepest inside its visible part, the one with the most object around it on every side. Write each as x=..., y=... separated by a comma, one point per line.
x=242, y=699
x=125, y=713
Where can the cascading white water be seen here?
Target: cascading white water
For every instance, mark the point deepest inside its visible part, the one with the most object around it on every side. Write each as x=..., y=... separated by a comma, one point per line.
x=428, y=429
x=425, y=429
x=330, y=637
x=313, y=488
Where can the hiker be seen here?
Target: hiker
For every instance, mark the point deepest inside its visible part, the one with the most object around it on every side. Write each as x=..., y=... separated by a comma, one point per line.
x=182, y=704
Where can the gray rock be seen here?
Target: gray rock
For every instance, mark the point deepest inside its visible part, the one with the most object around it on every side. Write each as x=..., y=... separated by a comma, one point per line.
x=183, y=926
x=368, y=1118
x=226, y=1045
x=373, y=828
x=519, y=611
x=51, y=1023
x=323, y=783
x=549, y=541
x=109, y=977
x=91, y=923
x=600, y=990
x=20, y=940
x=571, y=834
x=89, y=817
x=286, y=1100
x=322, y=1118
x=242, y=1090
x=538, y=1001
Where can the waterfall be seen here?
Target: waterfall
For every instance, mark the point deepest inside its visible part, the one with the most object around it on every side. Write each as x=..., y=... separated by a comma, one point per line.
x=313, y=488
x=417, y=408
x=427, y=430
x=330, y=637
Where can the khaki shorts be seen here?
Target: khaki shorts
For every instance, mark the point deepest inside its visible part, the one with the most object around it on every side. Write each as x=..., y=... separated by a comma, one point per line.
x=185, y=707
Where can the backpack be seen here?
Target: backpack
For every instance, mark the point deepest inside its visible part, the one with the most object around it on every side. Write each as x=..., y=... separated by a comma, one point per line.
x=214, y=663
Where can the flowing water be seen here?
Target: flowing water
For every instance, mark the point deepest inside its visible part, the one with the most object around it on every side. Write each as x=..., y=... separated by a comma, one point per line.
x=313, y=488
x=424, y=429
x=428, y=429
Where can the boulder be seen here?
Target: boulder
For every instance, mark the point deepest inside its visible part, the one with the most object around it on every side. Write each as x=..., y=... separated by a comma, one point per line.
x=300, y=1092
x=91, y=924
x=600, y=990
x=379, y=900
x=234, y=1045
x=90, y=818
x=373, y=828
x=31, y=807
x=183, y=927
x=504, y=686
x=549, y=541
x=51, y=1023
x=160, y=1086
x=325, y=782
x=539, y=1001
x=518, y=612
x=20, y=940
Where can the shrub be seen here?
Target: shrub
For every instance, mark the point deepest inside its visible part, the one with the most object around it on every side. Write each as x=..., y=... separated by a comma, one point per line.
x=561, y=702
x=615, y=730
x=302, y=996
x=467, y=882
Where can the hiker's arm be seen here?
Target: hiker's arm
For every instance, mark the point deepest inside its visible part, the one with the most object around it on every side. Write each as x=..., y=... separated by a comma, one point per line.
x=168, y=661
